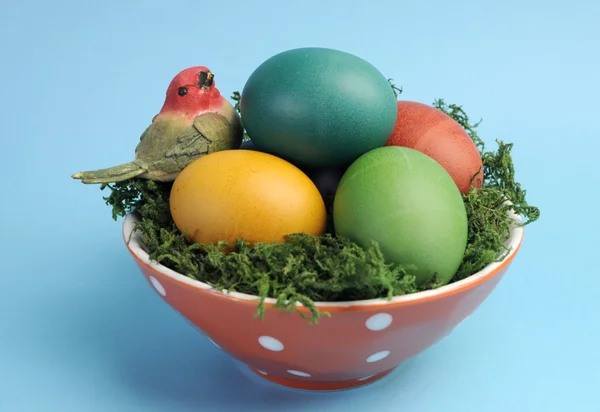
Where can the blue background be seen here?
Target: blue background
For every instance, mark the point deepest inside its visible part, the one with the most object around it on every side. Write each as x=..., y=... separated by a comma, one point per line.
x=81, y=331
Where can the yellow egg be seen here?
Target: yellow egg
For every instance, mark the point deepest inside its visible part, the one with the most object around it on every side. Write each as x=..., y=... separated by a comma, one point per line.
x=245, y=194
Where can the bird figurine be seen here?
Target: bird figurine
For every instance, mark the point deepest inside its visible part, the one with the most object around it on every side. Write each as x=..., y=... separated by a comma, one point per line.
x=195, y=120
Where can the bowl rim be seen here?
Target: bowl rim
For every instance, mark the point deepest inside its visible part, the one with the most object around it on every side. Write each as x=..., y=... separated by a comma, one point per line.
x=133, y=241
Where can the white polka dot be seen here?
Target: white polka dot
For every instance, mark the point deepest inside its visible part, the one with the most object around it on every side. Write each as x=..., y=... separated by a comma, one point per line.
x=270, y=343
x=378, y=356
x=159, y=288
x=379, y=321
x=365, y=378
x=262, y=372
x=301, y=374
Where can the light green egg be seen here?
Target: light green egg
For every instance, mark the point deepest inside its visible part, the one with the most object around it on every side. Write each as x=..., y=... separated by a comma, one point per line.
x=408, y=203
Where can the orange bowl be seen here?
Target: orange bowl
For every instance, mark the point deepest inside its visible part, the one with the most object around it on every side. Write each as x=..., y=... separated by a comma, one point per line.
x=360, y=343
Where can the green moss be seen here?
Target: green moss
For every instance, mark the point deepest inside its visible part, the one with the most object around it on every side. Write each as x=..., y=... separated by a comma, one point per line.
x=487, y=208
x=236, y=97
x=306, y=269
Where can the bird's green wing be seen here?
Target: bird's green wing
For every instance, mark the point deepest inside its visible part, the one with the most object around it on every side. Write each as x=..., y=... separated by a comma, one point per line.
x=221, y=134
x=210, y=132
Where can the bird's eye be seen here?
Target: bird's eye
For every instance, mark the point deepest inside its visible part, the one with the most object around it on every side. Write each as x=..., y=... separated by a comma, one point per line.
x=182, y=91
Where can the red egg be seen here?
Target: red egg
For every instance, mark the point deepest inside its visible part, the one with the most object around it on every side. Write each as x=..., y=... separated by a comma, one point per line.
x=431, y=131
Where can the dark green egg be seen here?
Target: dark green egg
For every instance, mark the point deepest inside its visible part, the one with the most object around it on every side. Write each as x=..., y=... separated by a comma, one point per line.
x=318, y=107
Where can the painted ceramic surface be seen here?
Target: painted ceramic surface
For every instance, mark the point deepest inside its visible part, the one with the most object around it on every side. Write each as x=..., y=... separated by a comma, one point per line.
x=360, y=343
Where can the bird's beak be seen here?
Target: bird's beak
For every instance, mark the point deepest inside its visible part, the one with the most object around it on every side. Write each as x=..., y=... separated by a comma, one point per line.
x=205, y=79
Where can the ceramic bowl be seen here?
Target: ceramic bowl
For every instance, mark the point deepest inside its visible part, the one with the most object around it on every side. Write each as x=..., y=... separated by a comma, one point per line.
x=361, y=342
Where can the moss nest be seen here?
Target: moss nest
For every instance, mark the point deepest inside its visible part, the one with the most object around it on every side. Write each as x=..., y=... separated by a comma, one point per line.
x=305, y=269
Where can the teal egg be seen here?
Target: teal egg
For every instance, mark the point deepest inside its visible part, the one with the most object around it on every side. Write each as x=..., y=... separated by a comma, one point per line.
x=318, y=107
x=408, y=203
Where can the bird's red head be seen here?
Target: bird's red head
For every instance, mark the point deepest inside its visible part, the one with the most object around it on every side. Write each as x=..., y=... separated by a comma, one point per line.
x=191, y=92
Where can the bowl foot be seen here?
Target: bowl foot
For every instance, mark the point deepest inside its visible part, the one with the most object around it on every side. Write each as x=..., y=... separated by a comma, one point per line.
x=306, y=385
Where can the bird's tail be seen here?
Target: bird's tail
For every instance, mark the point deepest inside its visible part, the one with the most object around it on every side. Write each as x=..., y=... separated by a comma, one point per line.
x=111, y=174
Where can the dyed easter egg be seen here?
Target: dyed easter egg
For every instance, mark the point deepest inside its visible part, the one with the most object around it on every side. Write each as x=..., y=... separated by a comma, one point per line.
x=318, y=107
x=245, y=194
x=326, y=180
x=408, y=203
x=433, y=132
